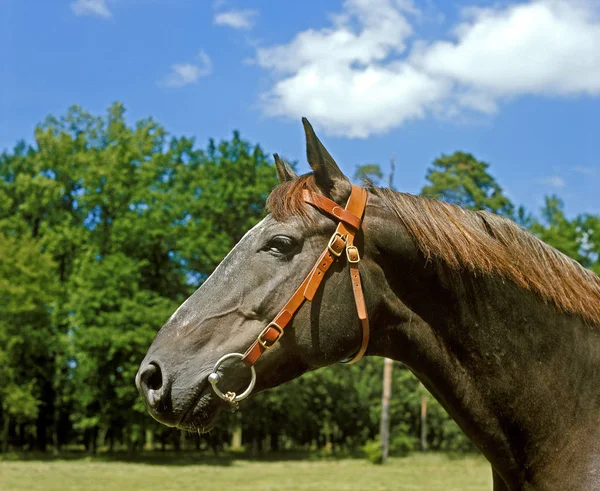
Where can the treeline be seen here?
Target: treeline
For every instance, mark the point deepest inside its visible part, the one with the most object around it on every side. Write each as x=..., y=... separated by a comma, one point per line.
x=105, y=228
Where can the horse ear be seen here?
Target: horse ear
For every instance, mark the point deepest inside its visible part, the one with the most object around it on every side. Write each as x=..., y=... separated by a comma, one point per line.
x=284, y=171
x=328, y=175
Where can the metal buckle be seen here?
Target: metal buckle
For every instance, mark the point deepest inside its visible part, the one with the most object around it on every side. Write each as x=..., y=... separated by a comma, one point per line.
x=354, y=251
x=263, y=342
x=334, y=237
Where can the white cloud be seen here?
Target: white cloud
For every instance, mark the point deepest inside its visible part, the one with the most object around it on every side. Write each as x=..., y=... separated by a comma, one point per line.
x=360, y=76
x=97, y=8
x=188, y=73
x=586, y=171
x=554, y=181
x=543, y=47
x=238, y=19
x=217, y=4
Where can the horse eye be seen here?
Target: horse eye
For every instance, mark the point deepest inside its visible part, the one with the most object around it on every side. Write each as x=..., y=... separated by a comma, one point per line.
x=281, y=244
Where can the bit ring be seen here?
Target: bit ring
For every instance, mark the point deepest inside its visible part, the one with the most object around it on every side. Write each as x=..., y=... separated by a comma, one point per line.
x=214, y=378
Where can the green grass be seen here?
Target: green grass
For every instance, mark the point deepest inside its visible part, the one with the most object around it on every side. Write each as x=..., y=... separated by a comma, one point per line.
x=418, y=472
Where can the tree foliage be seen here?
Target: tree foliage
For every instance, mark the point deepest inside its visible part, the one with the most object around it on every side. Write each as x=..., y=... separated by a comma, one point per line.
x=368, y=173
x=578, y=238
x=27, y=287
x=463, y=180
x=107, y=227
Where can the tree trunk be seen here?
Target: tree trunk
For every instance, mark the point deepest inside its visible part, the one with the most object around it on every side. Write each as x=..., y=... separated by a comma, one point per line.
x=215, y=441
x=149, y=444
x=176, y=440
x=5, y=432
x=385, y=408
x=102, y=437
x=41, y=436
x=236, y=437
x=93, y=449
x=182, y=440
x=86, y=439
x=424, y=401
x=56, y=431
x=274, y=441
x=392, y=170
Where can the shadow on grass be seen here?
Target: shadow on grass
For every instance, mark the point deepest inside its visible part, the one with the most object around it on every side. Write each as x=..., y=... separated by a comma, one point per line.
x=191, y=458
x=145, y=458
x=171, y=458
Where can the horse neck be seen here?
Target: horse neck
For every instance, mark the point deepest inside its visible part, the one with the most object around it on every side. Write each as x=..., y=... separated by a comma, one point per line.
x=520, y=378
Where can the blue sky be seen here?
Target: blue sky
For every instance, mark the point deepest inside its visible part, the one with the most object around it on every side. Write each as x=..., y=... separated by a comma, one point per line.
x=517, y=84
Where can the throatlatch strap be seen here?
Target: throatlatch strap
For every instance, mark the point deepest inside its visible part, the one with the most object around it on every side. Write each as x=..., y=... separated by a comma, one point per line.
x=353, y=258
x=342, y=240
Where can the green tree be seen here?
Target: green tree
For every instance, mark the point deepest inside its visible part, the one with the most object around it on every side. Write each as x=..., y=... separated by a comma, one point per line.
x=368, y=173
x=161, y=215
x=132, y=220
x=556, y=230
x=224, y=196
x=27, y=287
x=37, y=189
x=114, y=321
x=463, y=180
x=578, y=238
x=589, y=229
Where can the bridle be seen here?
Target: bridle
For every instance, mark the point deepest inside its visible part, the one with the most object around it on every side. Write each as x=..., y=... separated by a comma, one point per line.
x=350, y=219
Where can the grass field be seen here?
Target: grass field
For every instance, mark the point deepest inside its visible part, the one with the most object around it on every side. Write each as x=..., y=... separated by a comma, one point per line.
x=430, y=472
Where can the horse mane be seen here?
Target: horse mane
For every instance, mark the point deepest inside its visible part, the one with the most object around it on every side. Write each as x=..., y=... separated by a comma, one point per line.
x=479, y=241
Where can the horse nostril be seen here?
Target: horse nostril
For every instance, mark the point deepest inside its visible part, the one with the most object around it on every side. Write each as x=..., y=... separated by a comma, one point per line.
x=153, y=384
x=152, y=377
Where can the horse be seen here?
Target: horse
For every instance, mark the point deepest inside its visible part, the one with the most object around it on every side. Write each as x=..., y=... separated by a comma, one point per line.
x=501, y=328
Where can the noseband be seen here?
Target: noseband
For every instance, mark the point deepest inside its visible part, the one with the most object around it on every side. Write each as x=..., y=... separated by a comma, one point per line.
x=350, y=219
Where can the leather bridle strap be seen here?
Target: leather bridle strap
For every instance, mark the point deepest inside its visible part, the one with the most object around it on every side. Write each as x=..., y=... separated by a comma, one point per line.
x=350, y=219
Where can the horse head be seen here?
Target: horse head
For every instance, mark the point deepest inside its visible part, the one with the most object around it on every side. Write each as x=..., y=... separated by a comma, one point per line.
x=184, y=378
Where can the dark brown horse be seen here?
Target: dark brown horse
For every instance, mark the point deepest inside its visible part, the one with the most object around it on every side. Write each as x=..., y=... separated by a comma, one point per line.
x=501, y=328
